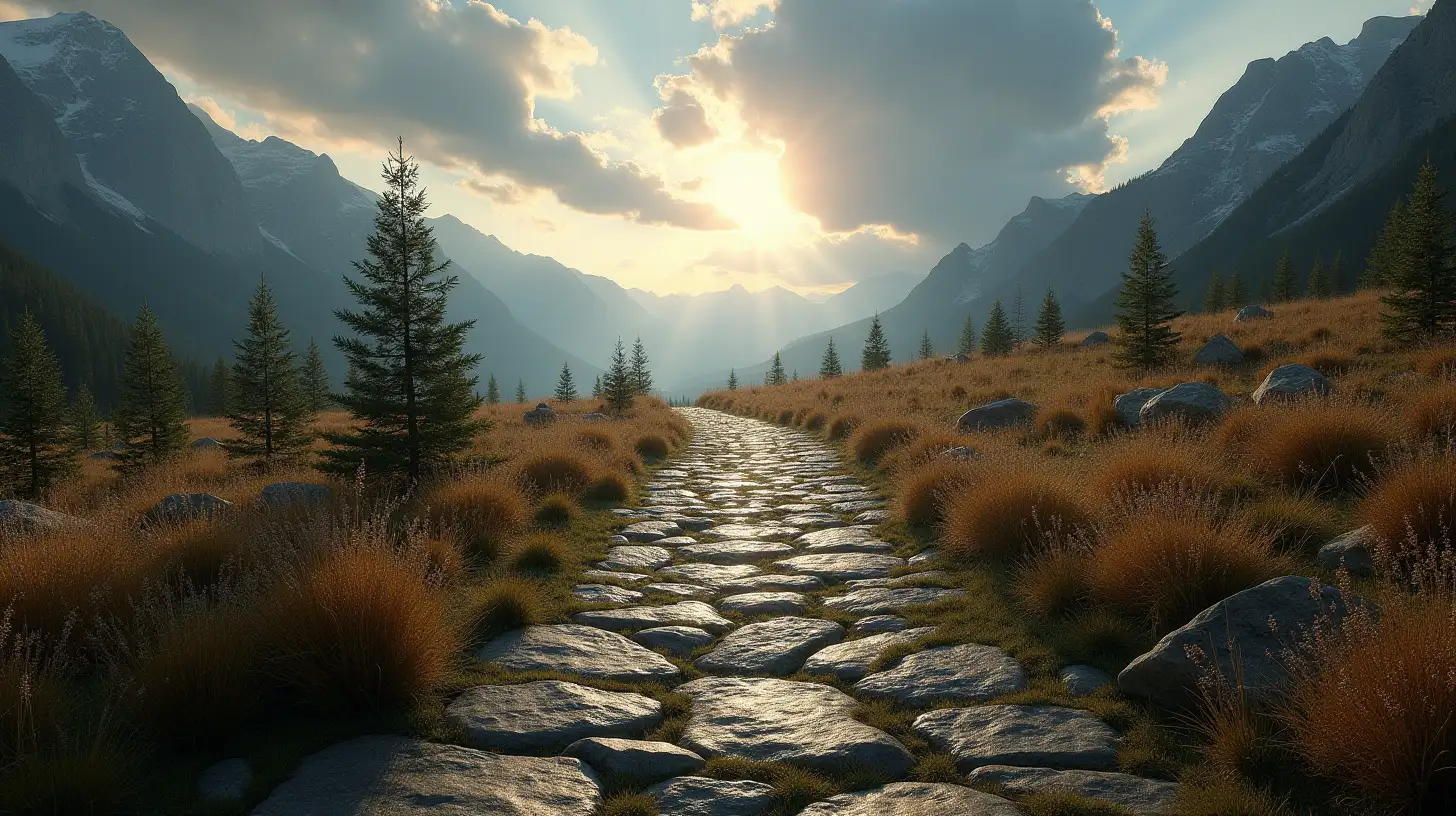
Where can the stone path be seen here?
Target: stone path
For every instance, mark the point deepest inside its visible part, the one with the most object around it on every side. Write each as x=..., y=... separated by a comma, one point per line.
x=743, y=542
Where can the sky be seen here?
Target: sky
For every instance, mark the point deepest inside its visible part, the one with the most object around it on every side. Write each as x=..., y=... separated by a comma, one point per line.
x=688, y=145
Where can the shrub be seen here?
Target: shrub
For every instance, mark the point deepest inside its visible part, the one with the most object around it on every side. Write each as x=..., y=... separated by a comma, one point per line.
x=629, y=804
x=555, y=511
x=504, y=604
x=842, y=426
x=485, y=512
x=555, y=470
x=597, y=439
x=1416, y=500
x=1432, y=413
x=1439, y=363
x=199, y=684
x=1320, y=445
x=1011, y=514
x=1060, y=423
x=95, y=773
x=1066, y=803
x=1236, y=431
x=541, y=554
x=609, y=486
x=923, y=492
x=1295, y=524
x=872, y=441
x=652, y=447
x=360, y=630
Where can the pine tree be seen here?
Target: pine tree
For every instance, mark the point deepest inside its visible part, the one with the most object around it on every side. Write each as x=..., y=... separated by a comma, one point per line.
x=492, y=391
x=1145, y=313
x=1337, y=273
x=732, y=379
x=618, y=386
x=1214, y=300
x=84, y=419
x=149, y=416
x=270, y=410
x=998, y=337
x=1018, y=319
x=775, y=374
x=1236, y=296
x=969, y=341
x=565, y=387
x=597, y=388
x=413, y=394
x=829, y=367
x=876, y=353
x=218, y=389
x=641, y=376
x=520, y=392
x=315, y=379
x=1282, y=290
x=1319, y=281
x=1049, y=324
x=926, y=349
x=35, y=441
x=795, y=378
x=1422, y=302
x=1380, y=266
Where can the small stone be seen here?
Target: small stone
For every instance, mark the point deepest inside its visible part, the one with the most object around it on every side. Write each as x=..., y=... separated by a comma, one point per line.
x=877, y=624
x=635, y=762
x=1138, y=795
x=914, y=799
x=1219, y=350
x=1005, y=413
x=678, y=641
x=632, y=618
x=712, y=575
x=225, y=781
x=849, y=661
x=832, y=567
x=680, y=590
x=581, y=650
x=1252, y=312
x=651, y=530
x=1191, y=401
x=604, y=594
x=1082, y=681
x=1129, y=406
x=773, y=583
x=613, y=575
x=967, y=673
x=281, y=494
x=776, y=647
x=1031, y=736
x=765, y=603
x=626, y=559
x=1291, y=382
x=1097, y=338
x=547, y=715
x=1350, y=551
x=734, y=552
x=700, y=796
x=888, y=599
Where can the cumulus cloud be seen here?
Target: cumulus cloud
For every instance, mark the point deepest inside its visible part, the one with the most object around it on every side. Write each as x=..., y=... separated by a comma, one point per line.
x=725, y=13
x=682, y=121
x=936, y=117
x=458, y=79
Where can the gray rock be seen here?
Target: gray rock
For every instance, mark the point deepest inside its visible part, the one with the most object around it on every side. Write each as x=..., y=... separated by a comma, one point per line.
x=184, y=506
x=813, y=520
x=833, y=567
x=1192, y=401
x=226, y=781
x=923, y=557
x=956, y=453
x=680, y=590
x=1145, y=797
x=604, y=594
x=967, y=673
x=773, y=583
x=834, y=537
x=913, y=799
x=1004, y=413
x=877, y=624
x=777, y=647
x=849, y=661
x=1237, y=625
x=1219, y=350
x=734, y=552
x=712, y=575
x=875, y=516
x=30, y=518
x=1352, y=551
x=401, y=776
x=765, y=603
x=206, y=443
x=613, y=575
x=1084, y=680
x=674, y=541
x=1031, y=736
x=960, y=358
x=626, y=559
x=617, y=539
x=1291, y=382
x=651, y=530
x=632, y=618
x=634, y=762
x=754, y=531
x=547, y=715
x=595, y=416
x=697, y=525
x=888, y=599
x=1252, y=312
x=1097, y=338
x=856, y=506
x=678, y=641
x=542, y=414
x=1129, y=406
x=700, y=796
x=581, y=650
x=771, y=720
x=286, y=493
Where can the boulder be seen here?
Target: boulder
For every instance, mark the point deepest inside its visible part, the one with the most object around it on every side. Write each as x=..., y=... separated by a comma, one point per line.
x=1352, y=551
x=1191, y=401
x=186, y=506
x=1129, y=406
x=1005, y=413
x=584, y=651
x=765, y=603
x=1291, y=382
x=966, y=673
x=1097, y=338
x=888, y=599
x=770, y=720
x=683, y=613
x=678, y=641
x=547, y=715
x=1036, y=736
x=1252, y=312
x=913, y=799
x=402, y=776
x=225, y=782
x=775, y=647
x=30, y=518
x=284, y=493
x=701, y=796
x=1084, y=680
x=1249, y=628
x=634, y=762
x=1146, y=797
x=207, y=443
x=542, y=414
x=961, y=358
x=851, y=660
x=1219, y=351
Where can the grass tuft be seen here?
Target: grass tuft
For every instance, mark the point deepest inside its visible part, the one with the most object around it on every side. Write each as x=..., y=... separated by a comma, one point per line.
x=923, y=492
x=555, y=511
x=873, y=441
x=551, y=471
x=1014, y=513
x=1416, y=500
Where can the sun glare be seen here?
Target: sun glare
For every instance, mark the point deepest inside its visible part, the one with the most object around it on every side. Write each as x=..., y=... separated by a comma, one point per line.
x=745, y=186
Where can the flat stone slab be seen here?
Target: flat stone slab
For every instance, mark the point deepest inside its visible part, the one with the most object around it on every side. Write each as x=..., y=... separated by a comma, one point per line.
x=629, y=558
x=632, y=618
x=1027, y=736
x=679, y=641
x=850, y=660
x=765, y=603
x=734, y=552
x=1139, y=795
x=813, y=520
x=401, y=776
x=869, y=545
x=914, y=799
x=824, y=539
x=778, y=647
x=872, y=517
x=875, y=624
x=548, y=715
x=834, y=567
x=755, y=531
x=769, y=582
x=634, y=761
x=680, y=590
x=651, y=530
x=585, y=651
x=966, y=673
x=857, y=506
x=700, y=796
x=1084, y=680
x=613, y=575
x=674, y=541
x=771, y=720
x=604, y=594
x=884, y=600
x=712, y=575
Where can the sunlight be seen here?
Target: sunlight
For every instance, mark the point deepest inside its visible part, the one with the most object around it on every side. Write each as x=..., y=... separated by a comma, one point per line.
x=745, y=186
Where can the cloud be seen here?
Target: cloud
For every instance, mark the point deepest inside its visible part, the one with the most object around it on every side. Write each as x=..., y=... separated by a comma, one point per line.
x=458, y=79
x=683, y=122
x=828, y=261
x=503, y=192
x=935, y=117
x=725, y=13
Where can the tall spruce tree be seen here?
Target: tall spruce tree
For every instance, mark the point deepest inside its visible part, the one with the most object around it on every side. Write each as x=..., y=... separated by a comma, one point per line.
x=732, y=379
x=35, y=440
x=1319, y=285
x=270, y=411
x=617, y=385
x=775, y=374
x=1236, y=296
x=219, y=388
x=876, y=353
x=597, y=388
x=314, y=379
x=149, y=417
x=1282, y=290
x=85, y=420
x=998, y=337
x=1381, y=265
x=829, y=366
x=641, y=375
x=520, y=392
x=1049, y=324
x=413, y=393
x=1018, y=318
x=492, y=391
x=926, y=349
x=1422, y=302
x=1145, y=310
x=565, y=386
x=969, y=340
x=1214, y=297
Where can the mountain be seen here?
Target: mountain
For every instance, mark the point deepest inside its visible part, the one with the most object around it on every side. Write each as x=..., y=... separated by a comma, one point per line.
x=34, y=156
x=128, y=129
x=867, y=297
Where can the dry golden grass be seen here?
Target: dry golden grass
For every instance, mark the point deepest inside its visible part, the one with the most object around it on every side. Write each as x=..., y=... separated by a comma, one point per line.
x=200, y=682
x=596, y=438
x=924, y=491
x=1147, y=462
x=71, y=578
x=1417, y=499
x=485, y=510
x=1431, y=413
x=1010, y=513
x=652, y=447
x=872, y=441
x=555, y=511
x=1296, y=524
x=1321, y=445
x=1054, y=583
x=1439, y=363
x=565, y=471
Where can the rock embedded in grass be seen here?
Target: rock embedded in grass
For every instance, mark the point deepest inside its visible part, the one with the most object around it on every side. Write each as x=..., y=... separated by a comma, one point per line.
x=648, y=531
x=1351, y=552
x=1252, y=312
x=678, y=641
x=30, y=518
x=1081, y=681
x=585, y=651
x=765, y=603
x=874, y=516
x=1136, y=794
x=914, y=799
x=1193, y=402
x=1129, y=406
x=888, y=599
x=877, y=624
x=754, y=531
x=281, y=494
x=628, y=558
x=1028, y=736
x=1097, y=338
x=604, y=594
x=632, y=618
x=1291, y=381
x=634, y=762
x=734, y=552
x=680, y=590
x=712, y=575
x=851, y=660
x=547, y=715
x=701, y=796
x=967, y=673
x=775, y=647
x=1003, y=413
x=772, y=583
x=833, y=567
x=1219, y=351
x=187, y=506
